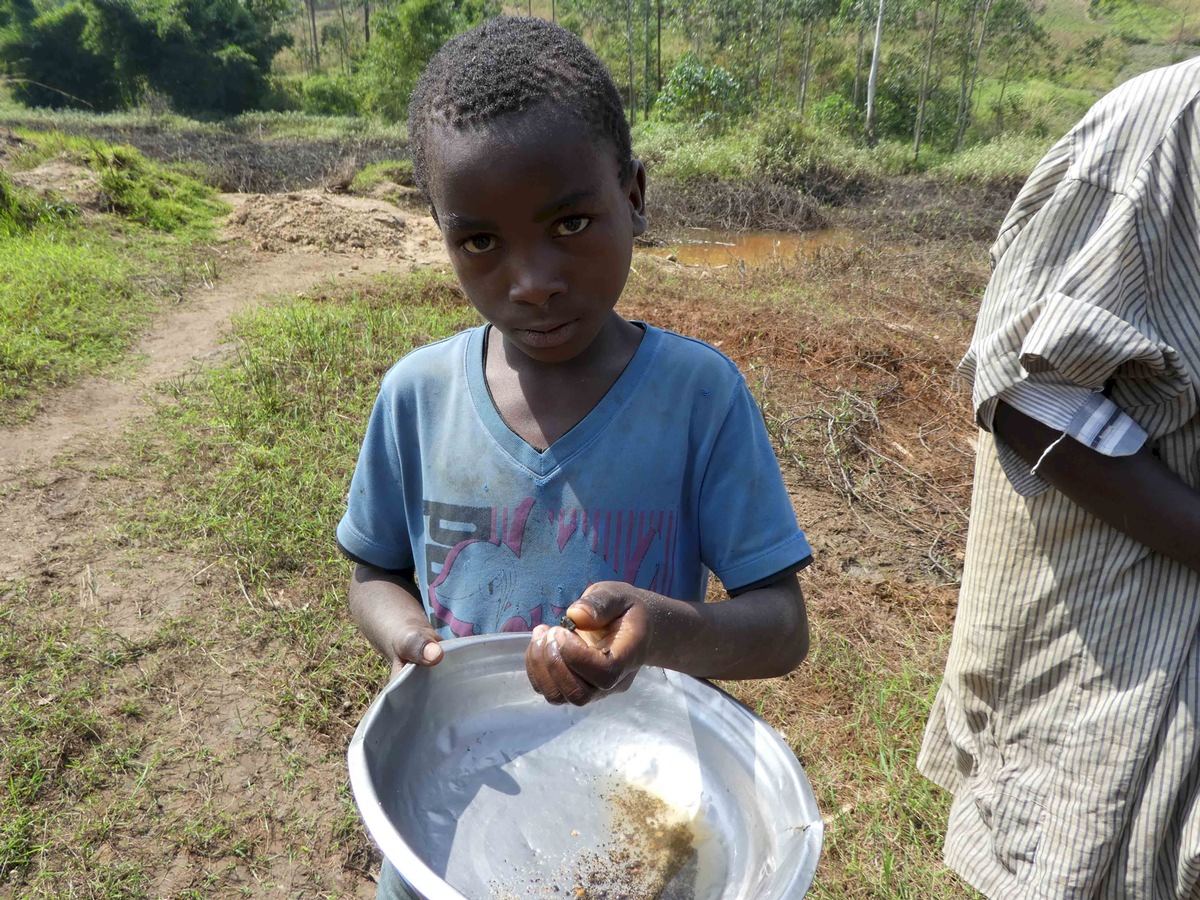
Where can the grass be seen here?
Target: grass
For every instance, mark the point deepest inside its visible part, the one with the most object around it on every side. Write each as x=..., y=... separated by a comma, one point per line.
x=59, y=746
x=399, y=172
x=261, y=124
x=76, y=289
x=258, y=456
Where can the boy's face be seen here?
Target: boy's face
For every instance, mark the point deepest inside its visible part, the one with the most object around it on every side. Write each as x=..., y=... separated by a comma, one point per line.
x=539, y=226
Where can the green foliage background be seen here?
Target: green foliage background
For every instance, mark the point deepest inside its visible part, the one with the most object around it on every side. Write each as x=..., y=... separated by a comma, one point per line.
x=200, y=55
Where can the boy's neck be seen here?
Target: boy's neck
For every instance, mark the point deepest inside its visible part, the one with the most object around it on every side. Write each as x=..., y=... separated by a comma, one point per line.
x=541, y=401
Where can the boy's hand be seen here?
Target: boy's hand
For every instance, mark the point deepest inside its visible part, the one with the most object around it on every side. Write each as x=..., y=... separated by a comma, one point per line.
x=614, y=632
x=386, y=605
x=417, y=645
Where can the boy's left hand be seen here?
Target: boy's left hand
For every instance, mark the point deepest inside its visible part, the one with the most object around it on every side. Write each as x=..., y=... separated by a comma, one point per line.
x=612, y=641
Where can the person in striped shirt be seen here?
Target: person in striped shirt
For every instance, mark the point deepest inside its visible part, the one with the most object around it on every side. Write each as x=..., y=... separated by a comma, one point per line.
x=1067, y=725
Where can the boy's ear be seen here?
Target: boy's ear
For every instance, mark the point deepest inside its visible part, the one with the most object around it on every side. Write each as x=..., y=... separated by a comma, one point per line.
x=637, y=197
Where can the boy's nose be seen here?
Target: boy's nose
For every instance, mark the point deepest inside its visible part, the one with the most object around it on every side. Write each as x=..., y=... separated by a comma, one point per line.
x=535, y=281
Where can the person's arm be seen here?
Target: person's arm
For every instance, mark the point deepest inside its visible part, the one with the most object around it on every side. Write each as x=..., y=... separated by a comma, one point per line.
x=1137, y=494
x=761, y=633
x=387, y=608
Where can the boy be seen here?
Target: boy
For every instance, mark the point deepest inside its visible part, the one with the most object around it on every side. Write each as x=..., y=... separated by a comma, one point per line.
x=560, y=459
x=1066, y=725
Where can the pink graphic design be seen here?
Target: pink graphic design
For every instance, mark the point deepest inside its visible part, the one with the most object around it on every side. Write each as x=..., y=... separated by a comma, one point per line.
x=499, y=571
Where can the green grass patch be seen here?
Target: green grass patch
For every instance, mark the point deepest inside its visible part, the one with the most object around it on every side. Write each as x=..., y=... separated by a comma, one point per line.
x=1007, y=157
x=400, y=172
x=58, y=747
x=884, y=822
x=163, y=198
x=257, y=456
x=74, y=291
x=69, y=304
x=21, y=212
x=260, y=124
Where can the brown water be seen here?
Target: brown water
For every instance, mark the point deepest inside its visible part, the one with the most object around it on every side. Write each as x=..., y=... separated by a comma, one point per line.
x=709, y=247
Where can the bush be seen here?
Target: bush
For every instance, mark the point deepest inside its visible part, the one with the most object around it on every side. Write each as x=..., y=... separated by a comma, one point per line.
x=707, y=95
x=790, y=152
x=1007, y=158
x=323, y=95
x=398, y=171
x=204, y=55
x=151, y=194
x=52, y=62
x=836, y=113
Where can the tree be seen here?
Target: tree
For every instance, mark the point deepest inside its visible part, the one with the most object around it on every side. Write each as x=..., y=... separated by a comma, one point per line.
x=311, y=7
x=405, y=38
x=974, y=35
x=203, y=55
x=811, y=13
x=925, y=82
x=49, y=60
x=873, y=79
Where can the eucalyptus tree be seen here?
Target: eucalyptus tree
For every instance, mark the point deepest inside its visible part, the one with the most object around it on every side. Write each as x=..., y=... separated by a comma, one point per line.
x=873, y=78
x=811, y=15
x=1018, y=42
x=925, y=74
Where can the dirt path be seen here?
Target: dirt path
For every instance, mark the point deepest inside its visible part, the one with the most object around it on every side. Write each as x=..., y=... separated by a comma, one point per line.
x=194, y=333
x=219, y=744
x=86, y=420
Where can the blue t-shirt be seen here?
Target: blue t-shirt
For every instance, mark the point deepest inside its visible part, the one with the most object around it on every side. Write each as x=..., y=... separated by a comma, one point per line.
x=670, y=476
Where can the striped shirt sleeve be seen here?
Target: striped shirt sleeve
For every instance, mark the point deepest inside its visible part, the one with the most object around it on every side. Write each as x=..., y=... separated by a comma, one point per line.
x=1084, y=415
x=1071, y=303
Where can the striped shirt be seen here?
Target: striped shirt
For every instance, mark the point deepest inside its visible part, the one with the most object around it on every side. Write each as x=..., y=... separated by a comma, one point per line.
x=1068, y=722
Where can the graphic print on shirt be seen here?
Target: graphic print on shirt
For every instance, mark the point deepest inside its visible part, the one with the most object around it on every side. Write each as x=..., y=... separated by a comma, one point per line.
x=493, y=569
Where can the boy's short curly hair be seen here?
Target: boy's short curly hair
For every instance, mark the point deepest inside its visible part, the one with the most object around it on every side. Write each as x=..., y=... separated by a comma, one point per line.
x=507, y=65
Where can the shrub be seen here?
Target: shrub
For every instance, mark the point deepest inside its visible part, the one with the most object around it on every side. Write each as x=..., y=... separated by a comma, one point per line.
x=398, y=171
x=708, y=95
x=148, y=193
x=790, y=152
x=204, y=55
x=325, y=96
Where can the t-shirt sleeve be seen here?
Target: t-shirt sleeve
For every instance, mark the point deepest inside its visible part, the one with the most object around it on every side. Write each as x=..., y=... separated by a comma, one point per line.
x=374, y=528
x=748, y=527
x=1071, y=307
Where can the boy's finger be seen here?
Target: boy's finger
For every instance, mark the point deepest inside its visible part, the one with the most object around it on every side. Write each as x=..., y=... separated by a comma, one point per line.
x=590, y=665
x=595, y=609
x=421, y=648
x=432, y=652
x=550, y=674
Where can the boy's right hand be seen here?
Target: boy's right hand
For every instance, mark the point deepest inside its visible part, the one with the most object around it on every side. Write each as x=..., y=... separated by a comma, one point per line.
x=417, y=645
x=386, y=605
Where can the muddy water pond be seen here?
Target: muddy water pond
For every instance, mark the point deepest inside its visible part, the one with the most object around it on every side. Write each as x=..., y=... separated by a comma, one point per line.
x=710, y=247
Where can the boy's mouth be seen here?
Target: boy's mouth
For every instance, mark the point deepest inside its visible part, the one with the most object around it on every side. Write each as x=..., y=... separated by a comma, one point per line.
x=546, y=337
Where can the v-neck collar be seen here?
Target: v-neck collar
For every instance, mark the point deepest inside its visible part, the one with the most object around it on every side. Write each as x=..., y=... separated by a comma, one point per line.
x=587, y=428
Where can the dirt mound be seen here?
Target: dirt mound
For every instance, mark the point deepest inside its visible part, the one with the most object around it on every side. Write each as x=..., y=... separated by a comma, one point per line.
x=60, y=177
x=9, y=144
x=314, y=222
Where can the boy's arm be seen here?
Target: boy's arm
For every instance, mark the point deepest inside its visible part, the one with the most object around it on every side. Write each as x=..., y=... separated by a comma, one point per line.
x=387, y=608
x=1137, y=495
x=761, y=633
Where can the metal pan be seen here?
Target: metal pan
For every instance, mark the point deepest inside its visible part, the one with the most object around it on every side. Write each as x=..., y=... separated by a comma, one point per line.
x=474, y=787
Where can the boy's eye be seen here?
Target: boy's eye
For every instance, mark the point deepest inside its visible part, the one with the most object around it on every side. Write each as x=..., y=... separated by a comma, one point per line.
x=572, y=225
x=478, y=243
